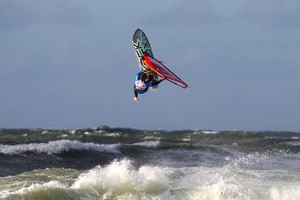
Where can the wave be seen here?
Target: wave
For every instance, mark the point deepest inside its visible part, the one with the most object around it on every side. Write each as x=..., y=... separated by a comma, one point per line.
x=60, y=146
x=57, y=147
x=153, y=144
x=122, y=179
x=118, y=179
x=241, y=140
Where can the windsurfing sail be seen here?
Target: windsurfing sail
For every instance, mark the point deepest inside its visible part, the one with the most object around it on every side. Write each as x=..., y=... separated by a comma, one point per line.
x=163, y=71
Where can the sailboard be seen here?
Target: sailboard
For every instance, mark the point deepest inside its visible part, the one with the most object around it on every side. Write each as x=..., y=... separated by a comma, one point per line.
x=141, y=47
x=163, y=71
x=146, y=60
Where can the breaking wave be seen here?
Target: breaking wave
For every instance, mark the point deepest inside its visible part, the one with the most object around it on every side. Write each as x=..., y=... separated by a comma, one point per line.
x=122, y=177
x=152, y=144
x=57, y=147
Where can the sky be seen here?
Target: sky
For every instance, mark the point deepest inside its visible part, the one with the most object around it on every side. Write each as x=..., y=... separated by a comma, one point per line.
x=71, y=64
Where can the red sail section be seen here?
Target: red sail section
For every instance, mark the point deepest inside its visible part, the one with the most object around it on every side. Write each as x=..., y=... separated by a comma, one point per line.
x=163, y=71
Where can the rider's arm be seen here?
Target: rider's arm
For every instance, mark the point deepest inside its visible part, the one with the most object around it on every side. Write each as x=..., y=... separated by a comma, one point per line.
x=156, y=82
x=137, y=78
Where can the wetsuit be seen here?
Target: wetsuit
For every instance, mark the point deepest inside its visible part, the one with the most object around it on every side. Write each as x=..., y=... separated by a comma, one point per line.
x=141, y=87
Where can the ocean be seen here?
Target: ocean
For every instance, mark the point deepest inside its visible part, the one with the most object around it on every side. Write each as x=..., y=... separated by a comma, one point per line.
x=125, y=163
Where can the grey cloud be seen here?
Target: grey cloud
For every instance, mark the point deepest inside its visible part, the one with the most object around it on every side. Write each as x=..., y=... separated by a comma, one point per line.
x=271, y=13
x=190, y=12
x=30, y=12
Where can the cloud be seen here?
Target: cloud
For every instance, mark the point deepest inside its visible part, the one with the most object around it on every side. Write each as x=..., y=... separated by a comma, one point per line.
x=272, y=13
x=24, y=13
x=190, y=12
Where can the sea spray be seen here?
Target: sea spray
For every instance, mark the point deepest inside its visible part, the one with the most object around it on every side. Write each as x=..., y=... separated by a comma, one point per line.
x=121, y=178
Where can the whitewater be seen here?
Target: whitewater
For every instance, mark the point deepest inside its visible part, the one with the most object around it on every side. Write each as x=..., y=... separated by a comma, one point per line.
x=118, y=163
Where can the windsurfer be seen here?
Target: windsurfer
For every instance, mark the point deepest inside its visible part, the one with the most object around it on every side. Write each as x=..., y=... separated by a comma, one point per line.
x=142, y=82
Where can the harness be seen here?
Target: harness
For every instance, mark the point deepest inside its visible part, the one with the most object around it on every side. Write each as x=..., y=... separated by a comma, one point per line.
x=140, y=85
